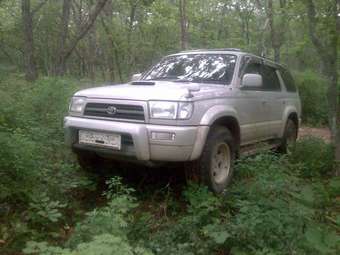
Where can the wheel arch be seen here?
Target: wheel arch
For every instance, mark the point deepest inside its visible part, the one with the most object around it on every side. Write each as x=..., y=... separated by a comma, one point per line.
x=224, y=116
x=233, y=126
x=290, y=113
x=217, y=115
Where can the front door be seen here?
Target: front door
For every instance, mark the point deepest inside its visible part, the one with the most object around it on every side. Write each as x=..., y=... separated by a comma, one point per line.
x=251, y=107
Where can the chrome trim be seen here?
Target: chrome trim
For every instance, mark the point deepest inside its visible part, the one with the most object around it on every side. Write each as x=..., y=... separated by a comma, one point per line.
x=122, y=102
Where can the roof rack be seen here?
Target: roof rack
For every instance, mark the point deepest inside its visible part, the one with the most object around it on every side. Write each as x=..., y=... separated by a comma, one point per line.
x=220, y=49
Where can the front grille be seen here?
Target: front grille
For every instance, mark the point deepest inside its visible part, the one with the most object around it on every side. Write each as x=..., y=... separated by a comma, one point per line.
x=121, y=111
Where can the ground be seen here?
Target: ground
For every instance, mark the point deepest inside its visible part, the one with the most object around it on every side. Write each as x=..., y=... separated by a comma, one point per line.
x=322, y=133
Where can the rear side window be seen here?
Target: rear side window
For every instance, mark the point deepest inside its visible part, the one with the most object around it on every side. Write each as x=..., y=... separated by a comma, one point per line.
x=288, y=80
x=270, y=80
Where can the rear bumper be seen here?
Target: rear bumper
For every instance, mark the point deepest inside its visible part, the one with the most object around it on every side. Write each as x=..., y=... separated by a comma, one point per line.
x=137, y=142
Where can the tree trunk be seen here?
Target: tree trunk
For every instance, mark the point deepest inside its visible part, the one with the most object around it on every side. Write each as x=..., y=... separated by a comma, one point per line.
x=60, y=67
x=275, y=40
x=108, y=14
x=31, y=73
x=115, y=51
x=65, y=52
x=335, y=43
x=184, y=24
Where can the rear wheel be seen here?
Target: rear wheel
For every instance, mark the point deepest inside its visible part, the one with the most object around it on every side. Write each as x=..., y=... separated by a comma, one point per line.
x=289, y=137
x=217, y=160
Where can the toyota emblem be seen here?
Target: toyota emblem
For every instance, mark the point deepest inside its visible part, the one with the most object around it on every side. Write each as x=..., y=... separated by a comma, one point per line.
x=111, y=110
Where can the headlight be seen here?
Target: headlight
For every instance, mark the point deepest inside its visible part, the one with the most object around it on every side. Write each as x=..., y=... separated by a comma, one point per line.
x=77, y=104
x=163, y=110
x=170, y=110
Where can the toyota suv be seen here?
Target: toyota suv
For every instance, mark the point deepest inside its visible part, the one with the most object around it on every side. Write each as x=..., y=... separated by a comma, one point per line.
x=203, y=107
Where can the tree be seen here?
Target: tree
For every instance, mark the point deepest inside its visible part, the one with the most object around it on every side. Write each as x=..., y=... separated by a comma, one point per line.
x=31, y=72
x=64, y=52
x=184, y=24
x=328, y=52
x=276, y=28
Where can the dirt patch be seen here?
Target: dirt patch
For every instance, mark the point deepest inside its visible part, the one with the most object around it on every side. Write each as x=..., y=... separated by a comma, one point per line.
x=322, y=133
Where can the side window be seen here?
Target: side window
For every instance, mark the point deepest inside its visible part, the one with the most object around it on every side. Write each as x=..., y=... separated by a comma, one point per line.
x=253, y=68
x=244, y=61
x=270, y=80
x=288, y=80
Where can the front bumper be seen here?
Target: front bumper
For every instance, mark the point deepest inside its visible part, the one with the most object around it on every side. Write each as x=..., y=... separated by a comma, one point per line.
x=186, y=145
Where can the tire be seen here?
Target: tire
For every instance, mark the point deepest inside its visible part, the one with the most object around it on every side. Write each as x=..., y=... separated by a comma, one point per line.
x=289, y=137
x=216, y=164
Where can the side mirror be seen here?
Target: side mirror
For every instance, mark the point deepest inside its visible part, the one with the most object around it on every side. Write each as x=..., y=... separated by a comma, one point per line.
x=251, y=80
x=136, y=77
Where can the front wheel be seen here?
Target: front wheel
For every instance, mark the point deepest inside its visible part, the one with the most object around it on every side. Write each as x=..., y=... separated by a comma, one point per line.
x=217, y=160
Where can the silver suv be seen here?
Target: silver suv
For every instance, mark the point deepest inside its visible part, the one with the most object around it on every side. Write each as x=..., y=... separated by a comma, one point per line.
x=205, y=107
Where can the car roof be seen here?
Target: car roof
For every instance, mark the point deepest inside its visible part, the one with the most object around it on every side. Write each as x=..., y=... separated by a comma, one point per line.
x=233, y=51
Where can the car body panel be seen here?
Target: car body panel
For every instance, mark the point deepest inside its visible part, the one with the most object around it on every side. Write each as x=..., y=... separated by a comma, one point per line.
x=261, y=115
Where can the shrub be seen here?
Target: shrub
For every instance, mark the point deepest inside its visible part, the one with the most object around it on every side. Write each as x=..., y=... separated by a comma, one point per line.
x=314, y=157
x=275, y=212
x=191, y=234
x=313, y=90
x=268, y=210
x=104, y=231
x=36, y=172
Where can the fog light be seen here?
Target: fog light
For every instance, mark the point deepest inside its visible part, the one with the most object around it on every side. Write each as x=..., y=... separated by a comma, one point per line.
x=162, y=136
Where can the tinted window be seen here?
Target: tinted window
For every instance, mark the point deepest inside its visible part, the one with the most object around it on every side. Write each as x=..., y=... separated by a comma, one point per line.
x=288, y=80
x=243, y=64
x=270, y=79
x=269, y=76
x=205, y=68
x=254, y=68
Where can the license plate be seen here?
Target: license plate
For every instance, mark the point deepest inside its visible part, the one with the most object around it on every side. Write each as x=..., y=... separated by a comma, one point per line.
x=100, y=139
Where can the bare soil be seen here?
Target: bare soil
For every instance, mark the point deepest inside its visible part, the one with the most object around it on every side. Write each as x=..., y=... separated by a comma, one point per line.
x=322, y=133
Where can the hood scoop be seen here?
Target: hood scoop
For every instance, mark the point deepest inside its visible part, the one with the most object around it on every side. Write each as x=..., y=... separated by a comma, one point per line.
x=143, y=83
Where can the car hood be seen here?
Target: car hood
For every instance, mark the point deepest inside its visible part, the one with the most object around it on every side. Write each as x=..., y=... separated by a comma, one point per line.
x=160, y=90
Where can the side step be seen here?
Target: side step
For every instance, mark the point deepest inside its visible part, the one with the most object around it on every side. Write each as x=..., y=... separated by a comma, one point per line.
x=252, y=149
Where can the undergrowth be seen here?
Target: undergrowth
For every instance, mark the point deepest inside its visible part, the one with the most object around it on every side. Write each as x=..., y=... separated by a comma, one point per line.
x=269, y=209
x=276, y=205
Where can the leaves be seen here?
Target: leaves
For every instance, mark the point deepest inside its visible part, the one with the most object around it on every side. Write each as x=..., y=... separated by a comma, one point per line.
x=322, y=240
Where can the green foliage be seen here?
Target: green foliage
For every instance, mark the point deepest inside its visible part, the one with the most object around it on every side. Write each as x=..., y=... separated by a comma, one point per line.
x=37, y=174
x=268, y=210
x=112, y=219
x=266, y=219
x=45, y=211
x=313, y=156
x=104, y=231
x=313, y=90
x=104, y=244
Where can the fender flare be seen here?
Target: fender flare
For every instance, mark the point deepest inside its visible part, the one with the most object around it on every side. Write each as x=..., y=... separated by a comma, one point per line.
x=288, y=111
x=216, y=112
x=210, y=116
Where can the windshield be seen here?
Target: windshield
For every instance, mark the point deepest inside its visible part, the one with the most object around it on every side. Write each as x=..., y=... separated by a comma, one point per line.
x=202, y=68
